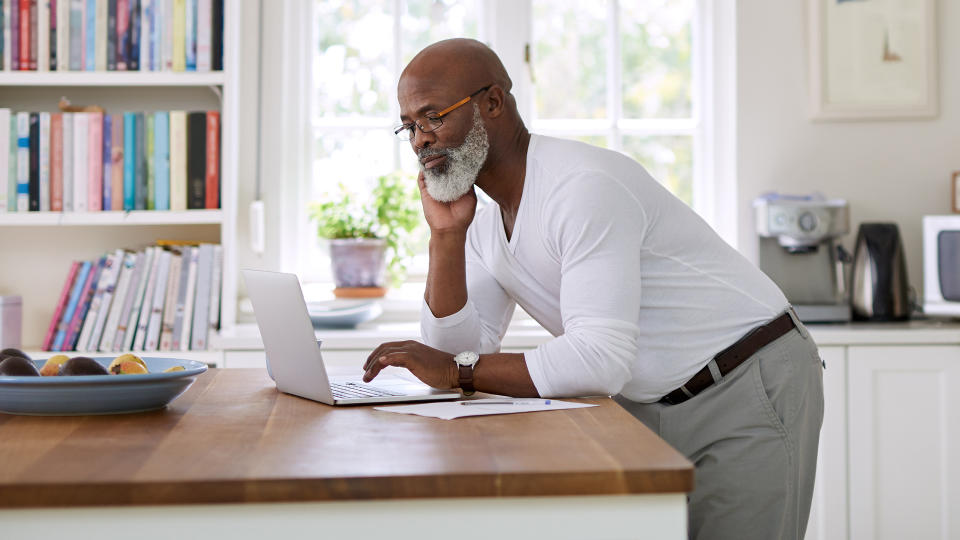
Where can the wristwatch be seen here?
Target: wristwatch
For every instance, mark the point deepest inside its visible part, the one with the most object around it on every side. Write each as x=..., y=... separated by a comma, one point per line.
x=465, y=362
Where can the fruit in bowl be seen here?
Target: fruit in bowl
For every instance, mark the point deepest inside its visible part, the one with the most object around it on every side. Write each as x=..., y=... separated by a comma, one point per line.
x=52, y=366
x=82, y=365
x=127, y=364
x=16, y=366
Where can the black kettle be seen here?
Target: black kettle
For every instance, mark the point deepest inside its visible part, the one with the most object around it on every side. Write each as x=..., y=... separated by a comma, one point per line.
x=879, y=289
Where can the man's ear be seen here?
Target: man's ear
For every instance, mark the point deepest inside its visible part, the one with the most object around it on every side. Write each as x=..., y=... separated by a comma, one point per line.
x=494, y=102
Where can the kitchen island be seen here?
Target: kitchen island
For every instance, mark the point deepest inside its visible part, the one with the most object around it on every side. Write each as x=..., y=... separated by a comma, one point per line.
x=233, y=457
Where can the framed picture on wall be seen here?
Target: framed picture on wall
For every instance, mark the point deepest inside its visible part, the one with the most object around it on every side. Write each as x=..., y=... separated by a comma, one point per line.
x=873, y=59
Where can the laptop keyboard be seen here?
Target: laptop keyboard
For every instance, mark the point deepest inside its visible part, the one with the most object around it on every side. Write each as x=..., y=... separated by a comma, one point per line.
x=352, y=390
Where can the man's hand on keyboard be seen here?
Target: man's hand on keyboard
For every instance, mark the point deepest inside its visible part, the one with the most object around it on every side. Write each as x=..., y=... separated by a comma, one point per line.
x=433, y=367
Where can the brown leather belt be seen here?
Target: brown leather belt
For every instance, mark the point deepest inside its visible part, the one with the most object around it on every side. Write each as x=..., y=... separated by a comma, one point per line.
x=732, y=357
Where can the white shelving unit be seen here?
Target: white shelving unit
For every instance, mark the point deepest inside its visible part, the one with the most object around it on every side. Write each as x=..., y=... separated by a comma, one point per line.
x=37, y=247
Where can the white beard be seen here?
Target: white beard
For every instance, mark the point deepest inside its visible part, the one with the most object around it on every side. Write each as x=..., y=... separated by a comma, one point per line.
x=456, y=177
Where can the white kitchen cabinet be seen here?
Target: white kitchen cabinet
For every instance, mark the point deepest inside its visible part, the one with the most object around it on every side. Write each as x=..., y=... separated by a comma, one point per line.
x=828, y=512
x=904, y=438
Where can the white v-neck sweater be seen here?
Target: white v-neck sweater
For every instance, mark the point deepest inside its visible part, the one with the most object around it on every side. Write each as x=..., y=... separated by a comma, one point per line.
x=637, y=289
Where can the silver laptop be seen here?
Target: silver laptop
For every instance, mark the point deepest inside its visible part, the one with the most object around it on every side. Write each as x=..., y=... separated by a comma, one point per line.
x=293, y=354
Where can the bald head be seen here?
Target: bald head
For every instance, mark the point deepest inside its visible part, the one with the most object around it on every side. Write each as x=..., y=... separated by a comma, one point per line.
x=460, y=65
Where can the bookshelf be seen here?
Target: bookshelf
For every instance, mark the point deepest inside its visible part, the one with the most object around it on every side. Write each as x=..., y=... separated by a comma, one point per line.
x=39, y=246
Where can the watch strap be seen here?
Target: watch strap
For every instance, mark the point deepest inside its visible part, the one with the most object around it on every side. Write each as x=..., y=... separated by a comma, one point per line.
x=466, y=379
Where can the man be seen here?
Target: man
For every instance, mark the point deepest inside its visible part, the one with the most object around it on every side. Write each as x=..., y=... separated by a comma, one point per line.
x=645, y=301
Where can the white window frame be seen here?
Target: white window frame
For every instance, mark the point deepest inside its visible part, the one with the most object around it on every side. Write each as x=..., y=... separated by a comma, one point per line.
x=507, y=27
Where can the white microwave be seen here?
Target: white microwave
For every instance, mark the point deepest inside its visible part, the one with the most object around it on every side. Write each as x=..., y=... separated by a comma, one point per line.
x=941, y=265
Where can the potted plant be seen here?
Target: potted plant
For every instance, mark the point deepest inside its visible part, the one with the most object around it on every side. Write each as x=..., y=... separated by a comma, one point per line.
x=369, y=241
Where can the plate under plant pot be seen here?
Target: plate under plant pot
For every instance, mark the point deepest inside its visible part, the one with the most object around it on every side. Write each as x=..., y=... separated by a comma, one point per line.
x=359, y=292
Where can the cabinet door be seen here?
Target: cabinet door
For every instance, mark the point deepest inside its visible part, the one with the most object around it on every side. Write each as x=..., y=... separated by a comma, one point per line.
x=904, y=442
x=828, y=513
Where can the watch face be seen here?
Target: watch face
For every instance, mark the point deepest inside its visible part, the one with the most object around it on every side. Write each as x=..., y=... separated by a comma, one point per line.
x=467, y=358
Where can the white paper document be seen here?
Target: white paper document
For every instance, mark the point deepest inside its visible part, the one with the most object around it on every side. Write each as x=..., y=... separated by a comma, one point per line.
x=448, y=410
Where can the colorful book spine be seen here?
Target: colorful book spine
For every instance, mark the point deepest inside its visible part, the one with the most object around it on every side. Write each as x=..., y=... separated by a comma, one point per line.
x=133, y=55
x=178, y=160
x=129, y=161
x=146, y=29
x=95, y=162
x=5, y=177
x=126, y=328
x=61, y=306
x=33, y=34
x=212, y=187
x=90, y=35
x=216, y=45
x=43, y=35
x=100, y=38
x=148, y=150
x=23, y=161
x=107, y=163
x=81, y=158
x=108, y=273
x=54, y=36
x=12, y=164
x=166, y=52
x=190, y=30
x=179, y=35
x=111, y=292
x=140, y=170
x=33, y=188
x=196, y=160
x=116, y=327
x=68, y=162
x=111, y=36
x=63, y=35
x=15, y=36
x=116, y=162
x=77, y=43
x=5, y=28
x=44, y=162
x=56, y=162
x=123, y=33
x=204, y=28
x=64, y=323
x=80, y=315
x=162, y=159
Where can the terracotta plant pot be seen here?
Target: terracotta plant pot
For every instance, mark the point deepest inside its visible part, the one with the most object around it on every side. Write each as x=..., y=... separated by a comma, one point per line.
x=358, y=262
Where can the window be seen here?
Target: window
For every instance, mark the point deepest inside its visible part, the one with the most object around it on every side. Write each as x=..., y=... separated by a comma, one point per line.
x=612, y=73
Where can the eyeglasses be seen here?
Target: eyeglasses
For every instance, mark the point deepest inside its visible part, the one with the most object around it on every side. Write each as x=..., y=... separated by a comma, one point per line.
x=405, y=132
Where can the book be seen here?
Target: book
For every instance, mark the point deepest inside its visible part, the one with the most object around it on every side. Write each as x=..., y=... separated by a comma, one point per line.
x=33, y=189
x=23, y=161
x=161, y=159
x=77, y=44
x=178, y=160
x=54, y=35
x=95, y=161
x=116, y=162
x=164, y=300
x=123, y=33
x=63, y=35
x=215, y=290
x=5, y=28
x=71, y=306
x=196, y=160
x=183, y=337
x=90, y=35
x=190, y=35
x=33, y=34
x=131, y=304
x=166, y=52
x=146, y=306
x=129, y=161
x=146, y=31
x=133, y=52
x=148, y=149
x=216, y=36
x=179, y=35
x=44, y=148
x=81, y=158
x=99, y=301
x=5, y=177
x=140, y=165
x=67, y=162
x=15, y=36
x=12, y=164
x=79, y=316
x=173, y=315
x=43, y=35
x=56, y=162
x=212, y=180
x=201, y=307
x=61, y=306
x=204, y=37
x=111, y=36
x=103, y=336
x=100, y=36
x=106, y=163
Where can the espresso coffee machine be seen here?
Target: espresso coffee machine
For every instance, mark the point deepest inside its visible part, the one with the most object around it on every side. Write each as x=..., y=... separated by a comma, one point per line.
x=799, y=249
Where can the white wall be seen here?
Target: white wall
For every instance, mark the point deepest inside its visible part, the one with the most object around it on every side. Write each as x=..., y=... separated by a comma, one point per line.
x=888, y=171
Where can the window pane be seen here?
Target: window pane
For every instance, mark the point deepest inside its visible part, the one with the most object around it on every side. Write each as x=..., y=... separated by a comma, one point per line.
x=355, y=158
x=352, y=65
x=655, y=48
x=428, y=21
x=569, y=58
x=669, y=159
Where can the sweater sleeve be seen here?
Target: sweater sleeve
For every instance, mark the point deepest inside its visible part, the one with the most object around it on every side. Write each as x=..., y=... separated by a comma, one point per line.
x=481, y=323
x=594, y=227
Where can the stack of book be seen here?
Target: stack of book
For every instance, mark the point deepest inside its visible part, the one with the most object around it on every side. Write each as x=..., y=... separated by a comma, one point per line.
x=162, y=298
x=92, y=161
x=111, y=35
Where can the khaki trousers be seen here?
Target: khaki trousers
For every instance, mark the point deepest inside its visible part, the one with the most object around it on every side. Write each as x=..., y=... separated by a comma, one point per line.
x=753, y=439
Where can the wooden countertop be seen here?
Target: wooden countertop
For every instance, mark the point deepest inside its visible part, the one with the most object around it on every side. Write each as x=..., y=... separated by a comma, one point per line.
x=232, y=437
